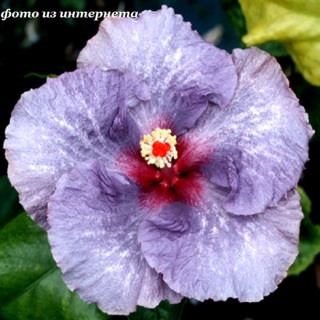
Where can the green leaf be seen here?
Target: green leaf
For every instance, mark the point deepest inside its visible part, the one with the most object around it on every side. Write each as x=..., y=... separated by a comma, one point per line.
x=235, y=15
x=78, y=5
x=309, y=244
x=276, y=49
x=305, y=203
x=9, y=203
x=295, y=23
x=40, y=75
x=164, y=311
x=30, y=282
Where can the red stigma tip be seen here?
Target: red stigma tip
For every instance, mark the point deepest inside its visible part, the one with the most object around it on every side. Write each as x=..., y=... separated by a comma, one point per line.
x=160, y=149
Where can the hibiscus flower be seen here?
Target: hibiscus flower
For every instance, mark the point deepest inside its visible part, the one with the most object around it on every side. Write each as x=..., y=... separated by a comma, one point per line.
x=163, y=167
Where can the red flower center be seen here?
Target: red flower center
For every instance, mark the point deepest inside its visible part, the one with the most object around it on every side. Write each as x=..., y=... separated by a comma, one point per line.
x=183, y=181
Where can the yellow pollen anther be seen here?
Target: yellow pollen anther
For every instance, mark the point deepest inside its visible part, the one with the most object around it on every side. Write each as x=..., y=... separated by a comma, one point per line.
x=158, y=148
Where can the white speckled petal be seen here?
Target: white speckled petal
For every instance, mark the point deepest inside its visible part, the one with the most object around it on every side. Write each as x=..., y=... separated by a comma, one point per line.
x=75, y=117
x=94, y=218
x=207, y=253
x=171, y=58
x=260, y=140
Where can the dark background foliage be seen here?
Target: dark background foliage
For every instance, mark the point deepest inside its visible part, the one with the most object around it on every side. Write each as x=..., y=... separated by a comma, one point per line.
x=31, y=48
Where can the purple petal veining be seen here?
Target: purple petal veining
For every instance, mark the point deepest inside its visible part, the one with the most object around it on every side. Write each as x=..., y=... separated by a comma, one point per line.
x=93, y=234
x=68, y=120
x=215, y=254
x=171, y=58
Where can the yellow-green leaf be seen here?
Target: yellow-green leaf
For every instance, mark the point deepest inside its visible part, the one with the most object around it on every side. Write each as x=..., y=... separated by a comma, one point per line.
x=295, y=23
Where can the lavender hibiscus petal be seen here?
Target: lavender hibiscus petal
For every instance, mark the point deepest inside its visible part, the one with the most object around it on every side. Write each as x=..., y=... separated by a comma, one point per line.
x=94, y=218
x=170, y=57
x=75, y=117
x=263, y=135
x=208, y=253
x=154, y=289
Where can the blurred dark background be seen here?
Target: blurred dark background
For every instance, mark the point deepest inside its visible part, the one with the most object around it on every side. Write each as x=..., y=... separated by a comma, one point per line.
x=30, y=49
